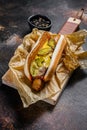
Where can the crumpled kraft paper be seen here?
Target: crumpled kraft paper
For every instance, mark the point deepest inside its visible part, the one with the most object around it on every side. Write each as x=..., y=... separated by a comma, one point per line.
x=16, y=66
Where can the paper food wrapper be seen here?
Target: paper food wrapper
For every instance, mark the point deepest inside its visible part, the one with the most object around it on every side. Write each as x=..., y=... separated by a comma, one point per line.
x=22, y=84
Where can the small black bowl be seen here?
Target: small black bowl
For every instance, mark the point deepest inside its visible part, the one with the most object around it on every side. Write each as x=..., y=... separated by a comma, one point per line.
x=39, y=21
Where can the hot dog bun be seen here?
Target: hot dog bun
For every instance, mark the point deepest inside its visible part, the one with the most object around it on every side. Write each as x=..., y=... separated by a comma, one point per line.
x=56, y=55
x=55, y=58
x=33, y=52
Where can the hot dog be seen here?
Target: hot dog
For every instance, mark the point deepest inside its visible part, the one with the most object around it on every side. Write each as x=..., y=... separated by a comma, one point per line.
x=43, y=59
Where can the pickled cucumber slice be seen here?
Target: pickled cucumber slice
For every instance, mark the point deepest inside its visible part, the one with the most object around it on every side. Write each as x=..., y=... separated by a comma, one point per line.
x=39, y=61
x=47, y=61
x=51, y=43
x=34, y=69
x=44, y=51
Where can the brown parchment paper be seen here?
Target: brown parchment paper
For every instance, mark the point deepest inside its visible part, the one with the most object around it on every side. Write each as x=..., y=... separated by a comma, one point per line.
x=16, y=66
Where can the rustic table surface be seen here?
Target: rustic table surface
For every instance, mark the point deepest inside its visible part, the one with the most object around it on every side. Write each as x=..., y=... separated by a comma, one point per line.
x=70, y=112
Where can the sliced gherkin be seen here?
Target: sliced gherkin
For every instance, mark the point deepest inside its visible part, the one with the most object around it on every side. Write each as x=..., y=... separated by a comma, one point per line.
x=33, y=69
x=39, y=61
x=47, y=61
x=51, y=43
x=45, y=51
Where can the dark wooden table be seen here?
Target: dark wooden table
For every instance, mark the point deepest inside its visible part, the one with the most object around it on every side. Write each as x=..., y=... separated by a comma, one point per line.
x=70, y=113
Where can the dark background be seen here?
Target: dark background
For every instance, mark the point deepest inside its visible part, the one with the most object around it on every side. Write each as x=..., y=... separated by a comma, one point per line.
x=70, y=113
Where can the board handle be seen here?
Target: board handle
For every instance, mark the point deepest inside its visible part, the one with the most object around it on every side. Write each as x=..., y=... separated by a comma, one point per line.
x=72, y=24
